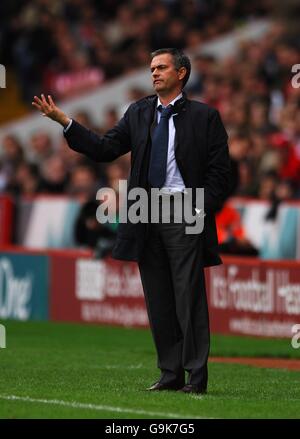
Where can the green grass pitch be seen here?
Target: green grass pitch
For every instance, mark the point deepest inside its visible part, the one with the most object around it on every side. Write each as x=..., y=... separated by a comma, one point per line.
x=51, y=370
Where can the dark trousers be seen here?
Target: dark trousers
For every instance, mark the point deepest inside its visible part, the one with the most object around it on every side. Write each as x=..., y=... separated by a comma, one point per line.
x=173, y=280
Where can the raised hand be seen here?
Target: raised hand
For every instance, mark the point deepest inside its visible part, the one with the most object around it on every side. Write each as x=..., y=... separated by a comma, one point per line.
x=49, y=109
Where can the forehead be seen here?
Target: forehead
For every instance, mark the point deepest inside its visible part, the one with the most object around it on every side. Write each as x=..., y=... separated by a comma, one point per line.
x=165, y=58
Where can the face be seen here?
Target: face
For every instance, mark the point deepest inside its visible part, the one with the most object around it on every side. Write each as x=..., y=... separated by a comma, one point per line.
x=165, y=77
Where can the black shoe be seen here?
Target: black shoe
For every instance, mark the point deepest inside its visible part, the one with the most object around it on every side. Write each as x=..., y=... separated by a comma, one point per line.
x=173, y=385
x=193, y=388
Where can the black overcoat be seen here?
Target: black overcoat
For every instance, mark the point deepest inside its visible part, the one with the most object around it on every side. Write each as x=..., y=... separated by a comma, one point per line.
x=201, y=153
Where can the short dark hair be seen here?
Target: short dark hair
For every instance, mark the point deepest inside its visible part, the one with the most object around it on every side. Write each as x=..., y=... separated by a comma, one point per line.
x=179, y=58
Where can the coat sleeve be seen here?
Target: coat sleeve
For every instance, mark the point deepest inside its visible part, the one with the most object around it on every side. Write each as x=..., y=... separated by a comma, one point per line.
x=217, y=175
x=106, y=148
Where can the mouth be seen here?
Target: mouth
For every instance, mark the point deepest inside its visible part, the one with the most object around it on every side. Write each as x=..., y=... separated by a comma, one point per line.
x=156, y=81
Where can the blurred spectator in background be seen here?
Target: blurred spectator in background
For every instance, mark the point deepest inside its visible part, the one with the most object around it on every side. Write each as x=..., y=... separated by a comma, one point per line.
x=284, y=191
x=71, y=159
x=203, y=67
x=259, y=116
x=91, y=233
x=40, y=147
x=54, y=176
x=83, y=117
x=267, y=186
x=83, y=183
x=26, y=180
x=115, y=172
x=231, y=235
x=12, y=156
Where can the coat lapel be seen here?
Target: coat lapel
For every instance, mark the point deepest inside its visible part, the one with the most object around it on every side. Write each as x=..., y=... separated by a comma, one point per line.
x=180, y=121
x=144, y=126
x=148, y=111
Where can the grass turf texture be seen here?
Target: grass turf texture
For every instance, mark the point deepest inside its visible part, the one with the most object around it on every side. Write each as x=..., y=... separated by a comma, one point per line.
x=111, y=367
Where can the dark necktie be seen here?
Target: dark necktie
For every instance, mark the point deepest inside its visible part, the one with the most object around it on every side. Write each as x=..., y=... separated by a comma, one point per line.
x=159, y=149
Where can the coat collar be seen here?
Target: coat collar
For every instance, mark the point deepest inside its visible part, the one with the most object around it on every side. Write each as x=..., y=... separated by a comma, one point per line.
x=149, y=104
x=158, y=102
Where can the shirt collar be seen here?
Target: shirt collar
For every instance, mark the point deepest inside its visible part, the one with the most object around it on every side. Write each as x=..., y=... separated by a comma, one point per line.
x=171, y=103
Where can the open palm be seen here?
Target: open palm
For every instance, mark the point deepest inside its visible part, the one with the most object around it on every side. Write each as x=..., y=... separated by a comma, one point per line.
x=49, y=109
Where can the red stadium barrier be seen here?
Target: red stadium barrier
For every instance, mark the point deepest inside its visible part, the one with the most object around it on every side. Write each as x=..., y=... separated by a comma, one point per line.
x=93, y=291
x=246, y=296
x=6, y=216
x=254, y=297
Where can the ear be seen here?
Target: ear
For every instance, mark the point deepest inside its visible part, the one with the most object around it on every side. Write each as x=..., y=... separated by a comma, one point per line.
x=182, y=72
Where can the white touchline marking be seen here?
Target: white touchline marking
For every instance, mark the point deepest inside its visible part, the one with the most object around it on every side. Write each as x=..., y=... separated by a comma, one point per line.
x=80, y=405
x=113, y=366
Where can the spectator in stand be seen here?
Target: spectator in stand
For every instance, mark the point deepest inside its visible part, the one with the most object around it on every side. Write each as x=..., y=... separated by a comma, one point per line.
x=203, y=67
x=71, y=159
x=54, y=177
x=258, y=117
x=26, y=180
x=283, y=159
x=114, y=173
x=284, y=191
x=83, y=183
x=90, y=233
x=40, y=147
x=267, y=186
x=231, y=234
x=12, y=156
x=84, y=118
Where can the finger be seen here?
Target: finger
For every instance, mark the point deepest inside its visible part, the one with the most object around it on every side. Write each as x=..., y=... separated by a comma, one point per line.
x=36, y=106
x=38, y=100
x=51, y=100
x=44, y=100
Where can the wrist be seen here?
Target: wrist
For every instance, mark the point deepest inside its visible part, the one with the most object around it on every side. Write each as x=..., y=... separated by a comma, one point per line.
x=64, y=121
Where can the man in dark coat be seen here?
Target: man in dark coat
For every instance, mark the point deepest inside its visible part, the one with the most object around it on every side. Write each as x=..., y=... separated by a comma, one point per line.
x=176, y=145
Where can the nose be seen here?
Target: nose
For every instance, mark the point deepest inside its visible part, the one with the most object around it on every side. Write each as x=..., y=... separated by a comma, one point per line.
x=154, y=73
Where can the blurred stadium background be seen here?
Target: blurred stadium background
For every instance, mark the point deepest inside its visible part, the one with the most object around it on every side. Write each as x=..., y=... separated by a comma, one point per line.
x=55, y=265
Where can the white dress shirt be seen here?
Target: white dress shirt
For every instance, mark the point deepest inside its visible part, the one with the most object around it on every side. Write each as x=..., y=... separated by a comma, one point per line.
x=174, y=181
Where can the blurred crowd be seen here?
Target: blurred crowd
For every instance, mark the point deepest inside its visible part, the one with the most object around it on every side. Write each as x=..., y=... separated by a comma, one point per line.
x=252, y=90
x=69, y=46
x=260, y=108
